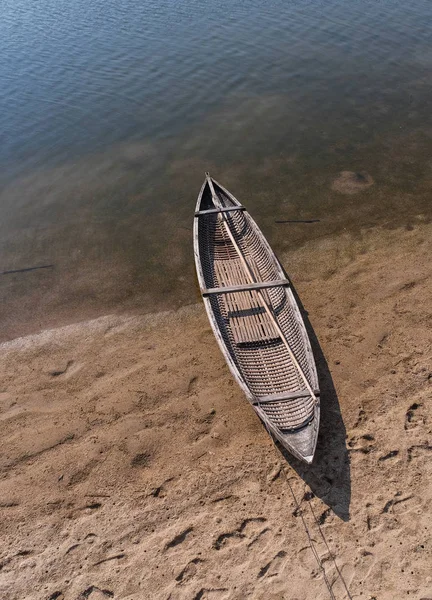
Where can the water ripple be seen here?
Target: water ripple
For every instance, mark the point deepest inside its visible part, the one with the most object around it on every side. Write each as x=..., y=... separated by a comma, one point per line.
x=79, y=76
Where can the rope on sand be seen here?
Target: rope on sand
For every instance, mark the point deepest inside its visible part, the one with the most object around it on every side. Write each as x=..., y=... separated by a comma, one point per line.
x=299, y=511
x=312, y=544
x=332, y=556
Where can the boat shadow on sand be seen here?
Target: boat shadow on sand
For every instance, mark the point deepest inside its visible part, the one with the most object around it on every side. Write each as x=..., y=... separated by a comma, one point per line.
x=329, y=475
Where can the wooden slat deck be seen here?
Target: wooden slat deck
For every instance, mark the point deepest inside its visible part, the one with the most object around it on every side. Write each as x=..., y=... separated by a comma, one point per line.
x=248, y=319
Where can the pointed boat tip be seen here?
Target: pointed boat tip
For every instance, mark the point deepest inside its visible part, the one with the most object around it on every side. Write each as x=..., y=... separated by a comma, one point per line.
x=308, y=459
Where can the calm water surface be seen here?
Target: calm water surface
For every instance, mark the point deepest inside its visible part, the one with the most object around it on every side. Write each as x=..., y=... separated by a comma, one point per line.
x=110, y=112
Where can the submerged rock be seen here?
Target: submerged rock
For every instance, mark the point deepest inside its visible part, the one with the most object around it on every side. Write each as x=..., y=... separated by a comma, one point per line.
x=350, y=182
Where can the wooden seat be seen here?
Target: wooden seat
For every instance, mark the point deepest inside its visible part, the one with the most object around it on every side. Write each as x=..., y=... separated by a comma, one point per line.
x=248, y=319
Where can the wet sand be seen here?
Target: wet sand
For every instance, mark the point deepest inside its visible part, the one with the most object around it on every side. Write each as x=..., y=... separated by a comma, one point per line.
x=132, y=466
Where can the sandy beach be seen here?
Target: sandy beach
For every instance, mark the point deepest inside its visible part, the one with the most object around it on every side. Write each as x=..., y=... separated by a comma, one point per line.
x=132, y=466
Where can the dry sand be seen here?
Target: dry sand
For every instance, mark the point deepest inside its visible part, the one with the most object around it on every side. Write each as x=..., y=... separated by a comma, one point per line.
x=132, y=466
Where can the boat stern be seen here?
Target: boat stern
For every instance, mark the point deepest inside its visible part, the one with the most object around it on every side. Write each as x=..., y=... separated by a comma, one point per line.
x=301, y=442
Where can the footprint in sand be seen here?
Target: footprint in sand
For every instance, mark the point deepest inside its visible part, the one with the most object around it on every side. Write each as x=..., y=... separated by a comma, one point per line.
x=192, y=385
x=82, y=474
x=363, y=567
x=307, y=561
x=211, y=594
x=419, y=451
x=362, y=444
x=248, y=532
x=413, y=416
x=179, y=538
x=68, y=370
x=274, y=566
x=206, y=425
x=95, y=593
x=189, y=570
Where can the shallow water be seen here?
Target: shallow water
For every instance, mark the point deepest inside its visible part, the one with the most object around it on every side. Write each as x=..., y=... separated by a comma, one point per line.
x=110, y=112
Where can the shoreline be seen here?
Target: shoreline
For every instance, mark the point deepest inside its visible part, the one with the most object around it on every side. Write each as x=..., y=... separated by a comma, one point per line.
x=112, y=253
x=346, y=244
x=97, y=325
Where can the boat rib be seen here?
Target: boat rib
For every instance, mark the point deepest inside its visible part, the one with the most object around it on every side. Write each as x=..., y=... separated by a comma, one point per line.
x=256, y=320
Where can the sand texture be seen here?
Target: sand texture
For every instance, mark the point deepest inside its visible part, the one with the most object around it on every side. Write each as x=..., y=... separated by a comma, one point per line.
x=132, y=466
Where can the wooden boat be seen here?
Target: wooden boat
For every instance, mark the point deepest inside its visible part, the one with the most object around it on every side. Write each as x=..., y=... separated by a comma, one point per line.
x=256, y=319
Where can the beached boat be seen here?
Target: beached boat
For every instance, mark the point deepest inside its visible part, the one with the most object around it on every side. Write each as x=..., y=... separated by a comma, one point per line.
x=256, y=319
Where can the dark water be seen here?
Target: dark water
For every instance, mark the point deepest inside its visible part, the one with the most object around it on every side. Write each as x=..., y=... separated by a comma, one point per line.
x=110, y=112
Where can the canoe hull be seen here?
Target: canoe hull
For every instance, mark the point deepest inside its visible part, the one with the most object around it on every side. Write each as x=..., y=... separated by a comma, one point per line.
x=246, y=335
